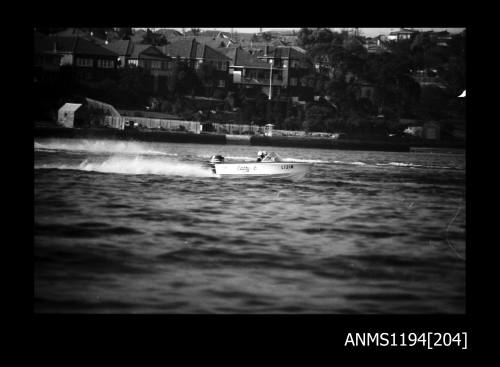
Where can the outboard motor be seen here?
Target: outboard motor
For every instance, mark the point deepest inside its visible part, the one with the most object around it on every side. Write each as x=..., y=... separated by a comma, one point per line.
x=215, y=159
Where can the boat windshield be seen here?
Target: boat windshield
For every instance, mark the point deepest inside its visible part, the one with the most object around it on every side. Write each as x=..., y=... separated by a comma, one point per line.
x=272, y=157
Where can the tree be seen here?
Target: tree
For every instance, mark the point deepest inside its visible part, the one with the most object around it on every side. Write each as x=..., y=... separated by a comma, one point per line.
x=181, y=79
x=304, y=37
x=155, y=39
x=267, y=37
x=319, y=118
x=432, y=102
x=206, y=73
x=278, y=114
x=195, y=31
x=125, y=33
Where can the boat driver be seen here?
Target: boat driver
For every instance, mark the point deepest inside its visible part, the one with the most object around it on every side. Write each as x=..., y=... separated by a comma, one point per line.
x=261, y=155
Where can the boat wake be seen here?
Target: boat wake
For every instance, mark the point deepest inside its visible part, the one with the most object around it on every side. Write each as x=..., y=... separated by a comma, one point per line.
x=135, y=166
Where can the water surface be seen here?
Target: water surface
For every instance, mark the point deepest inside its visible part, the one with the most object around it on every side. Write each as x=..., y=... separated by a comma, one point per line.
x=129, y=227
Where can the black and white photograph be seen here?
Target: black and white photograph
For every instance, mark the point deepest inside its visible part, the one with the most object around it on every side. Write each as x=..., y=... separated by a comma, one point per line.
x=250, y=170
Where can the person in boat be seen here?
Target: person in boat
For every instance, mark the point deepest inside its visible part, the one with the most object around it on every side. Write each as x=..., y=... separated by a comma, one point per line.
x=261, y=155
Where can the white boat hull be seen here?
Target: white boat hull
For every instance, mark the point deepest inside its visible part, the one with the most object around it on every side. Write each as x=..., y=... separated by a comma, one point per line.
x=271, y=169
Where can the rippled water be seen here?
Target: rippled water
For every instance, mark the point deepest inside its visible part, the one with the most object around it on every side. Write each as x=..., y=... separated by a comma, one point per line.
x=142, y=227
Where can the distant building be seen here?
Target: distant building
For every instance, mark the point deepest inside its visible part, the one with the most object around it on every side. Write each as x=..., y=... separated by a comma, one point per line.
x=196, y=53
x=252, y=72
x=402, y=35
x=69, y=113
x=81, y=53
x=441, y=38
x=375, y=45
x=291, y=67
x=139, y=55
x=88, y=113
x=428, y=77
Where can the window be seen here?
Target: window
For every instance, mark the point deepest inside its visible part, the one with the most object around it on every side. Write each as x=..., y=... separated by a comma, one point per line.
x=84, y=62
x=155, y=64
x=105, y=64
x=224, y=66
x=222, y=83
x=293, y=81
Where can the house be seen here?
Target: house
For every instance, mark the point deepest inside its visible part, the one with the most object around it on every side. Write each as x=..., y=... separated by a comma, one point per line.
x=291, y=66
x=249, y=72
x=196, y=53
x=151, y=58
x=83, y=54
x=148, y=57
x=139, y=55
x=402, y=35
x=375, y=45
x=428, y=77
x=256, y=73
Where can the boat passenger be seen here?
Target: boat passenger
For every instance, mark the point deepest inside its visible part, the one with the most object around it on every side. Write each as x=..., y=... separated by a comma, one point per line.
x=261, y=155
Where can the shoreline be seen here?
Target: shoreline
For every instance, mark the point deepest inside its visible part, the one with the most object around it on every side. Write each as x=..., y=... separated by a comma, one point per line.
x=275, y=141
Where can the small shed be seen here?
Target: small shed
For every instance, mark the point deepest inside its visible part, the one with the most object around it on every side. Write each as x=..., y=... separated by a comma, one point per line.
x=70, y=113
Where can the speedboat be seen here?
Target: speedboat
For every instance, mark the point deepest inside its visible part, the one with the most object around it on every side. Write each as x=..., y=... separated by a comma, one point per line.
x=271, y=165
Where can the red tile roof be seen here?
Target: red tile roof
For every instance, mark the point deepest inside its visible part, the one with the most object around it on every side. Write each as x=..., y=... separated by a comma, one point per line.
x=246, y=59
x=122, y=47
x=229, y=52
x=147, y=50
x=184, y=48
x=169, y=33
x=77, y=45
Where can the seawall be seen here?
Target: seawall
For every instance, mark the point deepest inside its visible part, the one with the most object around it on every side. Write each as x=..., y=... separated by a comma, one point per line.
x=157, y=136
x=180, y=137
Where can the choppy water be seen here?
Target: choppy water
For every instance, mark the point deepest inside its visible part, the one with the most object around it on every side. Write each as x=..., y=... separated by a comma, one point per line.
x=143, y=227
